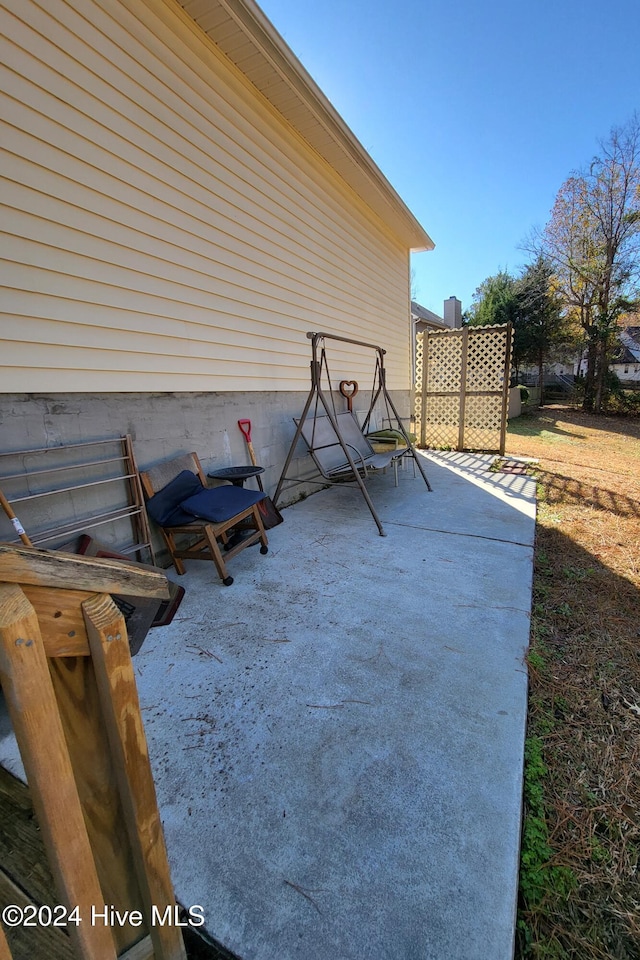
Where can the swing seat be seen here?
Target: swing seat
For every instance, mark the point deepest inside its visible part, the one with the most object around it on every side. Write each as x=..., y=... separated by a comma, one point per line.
x=328, y=452
x=343, y=452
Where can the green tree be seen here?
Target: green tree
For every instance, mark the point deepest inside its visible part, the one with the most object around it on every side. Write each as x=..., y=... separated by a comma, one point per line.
x=494, y=301
x=540, y=326
x=531, y=304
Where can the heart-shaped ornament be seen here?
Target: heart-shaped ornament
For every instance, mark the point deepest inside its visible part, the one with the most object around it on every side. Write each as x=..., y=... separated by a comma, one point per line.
x=348, y=389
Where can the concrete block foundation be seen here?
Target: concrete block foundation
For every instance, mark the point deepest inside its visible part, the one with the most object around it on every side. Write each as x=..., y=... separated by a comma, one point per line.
x=164, y=425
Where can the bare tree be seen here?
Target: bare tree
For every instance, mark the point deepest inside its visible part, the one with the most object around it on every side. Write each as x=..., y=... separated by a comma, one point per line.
x=592, y=241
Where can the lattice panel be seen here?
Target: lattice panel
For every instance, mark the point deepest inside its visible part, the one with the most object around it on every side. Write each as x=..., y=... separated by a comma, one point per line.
x=417, y=397
x=485, y=358
x=444, y=364
x=482, y=422
x=481, y=357
x=441, y=426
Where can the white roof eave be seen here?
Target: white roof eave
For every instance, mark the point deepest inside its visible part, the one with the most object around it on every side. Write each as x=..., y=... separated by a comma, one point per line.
x=243, y=33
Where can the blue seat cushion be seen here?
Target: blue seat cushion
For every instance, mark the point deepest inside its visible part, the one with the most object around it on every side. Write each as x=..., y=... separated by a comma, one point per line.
x=164, y=506
x=220, y=503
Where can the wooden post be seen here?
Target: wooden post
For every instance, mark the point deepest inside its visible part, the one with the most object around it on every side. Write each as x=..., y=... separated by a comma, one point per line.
x=33, y=709
x=66, y=670
x=505, y=389
x=76, y=691
x=463, y=386
x=425, y=380
x=121, y=713
x=5, y=953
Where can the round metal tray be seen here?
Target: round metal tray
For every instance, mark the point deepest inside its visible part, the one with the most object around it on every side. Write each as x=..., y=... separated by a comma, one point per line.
x=236, y=475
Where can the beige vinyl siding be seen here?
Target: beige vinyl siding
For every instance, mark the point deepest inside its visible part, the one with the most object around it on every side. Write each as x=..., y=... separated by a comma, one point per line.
x=162, y=228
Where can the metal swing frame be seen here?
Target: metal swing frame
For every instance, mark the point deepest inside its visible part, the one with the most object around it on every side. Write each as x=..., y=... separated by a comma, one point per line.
x=357, y=466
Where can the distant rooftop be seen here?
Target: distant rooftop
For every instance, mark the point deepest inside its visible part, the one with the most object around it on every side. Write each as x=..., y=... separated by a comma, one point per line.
x=418, y=312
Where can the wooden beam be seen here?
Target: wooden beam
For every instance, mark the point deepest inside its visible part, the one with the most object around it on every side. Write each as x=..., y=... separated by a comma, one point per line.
x=67, y=571
x=39, y=940
x=5, y=953
x=123, y=720
x=25, y=879
x=143, y=950
x=504, y=411
x=80, y=708
x=30, y=698
x=60, y=617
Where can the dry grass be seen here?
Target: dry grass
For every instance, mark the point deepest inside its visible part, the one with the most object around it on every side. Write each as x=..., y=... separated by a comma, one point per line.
x=584, y=707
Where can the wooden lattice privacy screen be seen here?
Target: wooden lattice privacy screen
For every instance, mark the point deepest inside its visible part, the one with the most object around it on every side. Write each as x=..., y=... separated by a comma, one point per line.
x=462, y=388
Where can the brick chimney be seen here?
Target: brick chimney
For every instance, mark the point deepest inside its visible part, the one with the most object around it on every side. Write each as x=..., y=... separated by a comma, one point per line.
x=453, y=313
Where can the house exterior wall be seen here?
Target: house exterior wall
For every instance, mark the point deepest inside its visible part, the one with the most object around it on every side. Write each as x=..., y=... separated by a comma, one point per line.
x=627, y=372
x=163, y=229
x=164, y=425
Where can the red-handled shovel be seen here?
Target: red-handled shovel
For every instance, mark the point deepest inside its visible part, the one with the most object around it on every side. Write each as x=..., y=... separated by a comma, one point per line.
x=271, y=516
x=245, y=429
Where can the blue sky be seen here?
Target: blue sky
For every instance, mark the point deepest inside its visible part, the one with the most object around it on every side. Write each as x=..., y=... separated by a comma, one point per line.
x=475, y=111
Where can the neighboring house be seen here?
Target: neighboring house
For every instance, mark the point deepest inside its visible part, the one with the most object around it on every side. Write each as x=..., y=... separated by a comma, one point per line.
x=625, y=360
x=625, y=356
x=424, y=319
x=181, y=204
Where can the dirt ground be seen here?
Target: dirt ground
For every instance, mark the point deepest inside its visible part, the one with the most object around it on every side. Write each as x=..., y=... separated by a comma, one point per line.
x=580, y=890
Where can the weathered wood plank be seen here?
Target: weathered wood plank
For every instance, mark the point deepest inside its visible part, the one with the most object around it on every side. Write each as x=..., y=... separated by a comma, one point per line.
x=24, y=673
x=25, y=870
x=123, y=720
x=80, y=709
x=5, y=953
x=50, y=568
x=28, y=943
x=23, y=857
x=143, y=950
x=22, y=852
x=60, y=617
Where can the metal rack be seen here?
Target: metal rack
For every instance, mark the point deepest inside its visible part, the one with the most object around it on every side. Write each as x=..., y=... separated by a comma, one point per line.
x=63, y=491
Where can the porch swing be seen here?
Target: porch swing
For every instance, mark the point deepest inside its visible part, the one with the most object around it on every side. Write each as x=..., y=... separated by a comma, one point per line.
x=340, y=448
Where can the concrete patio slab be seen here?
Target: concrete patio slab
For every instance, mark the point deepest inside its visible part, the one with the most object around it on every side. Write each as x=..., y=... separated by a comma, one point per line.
x=337, y=738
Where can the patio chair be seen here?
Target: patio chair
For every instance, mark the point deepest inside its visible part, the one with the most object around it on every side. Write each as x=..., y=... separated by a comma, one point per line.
x=181, y=504
x=327, y=448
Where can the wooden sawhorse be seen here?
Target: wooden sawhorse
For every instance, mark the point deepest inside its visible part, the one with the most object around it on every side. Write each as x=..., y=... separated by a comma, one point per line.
x=69, y=684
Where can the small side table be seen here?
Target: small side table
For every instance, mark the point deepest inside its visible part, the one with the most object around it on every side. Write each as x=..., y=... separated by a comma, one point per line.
x=236, y=475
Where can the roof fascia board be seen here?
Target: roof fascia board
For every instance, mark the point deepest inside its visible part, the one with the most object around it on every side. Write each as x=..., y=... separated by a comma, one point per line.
x=254, y=25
